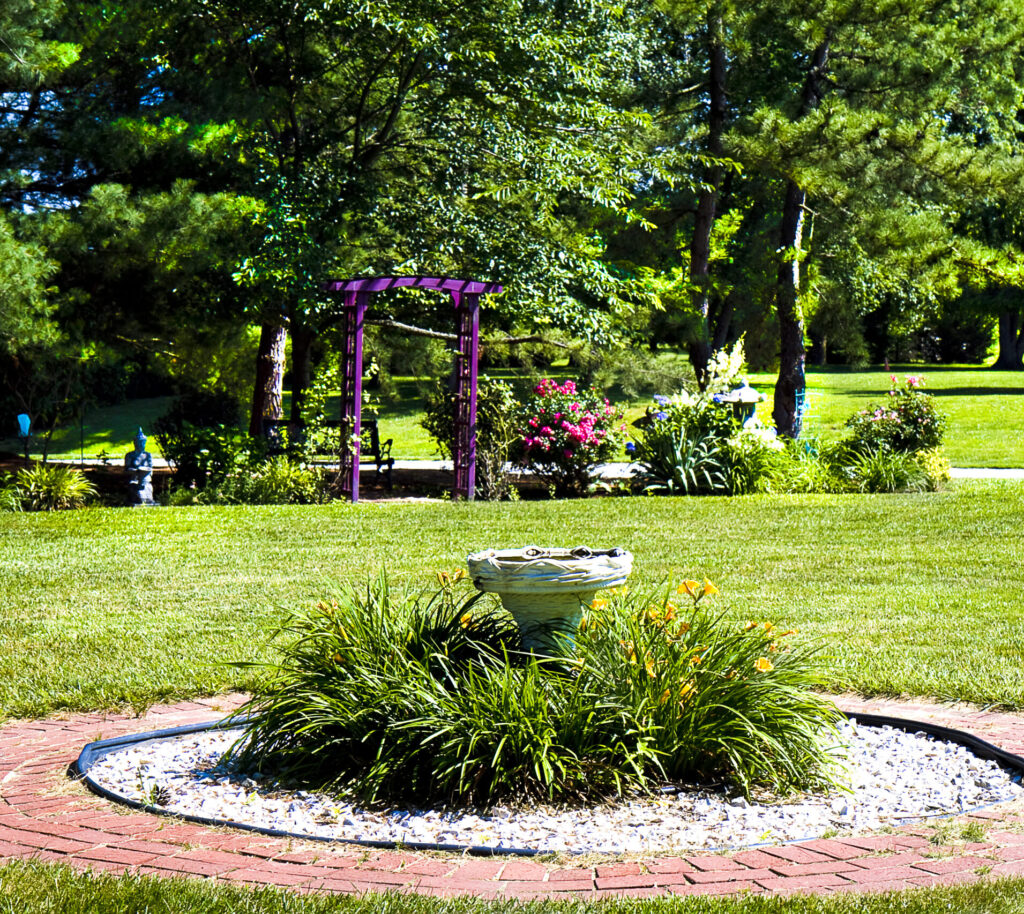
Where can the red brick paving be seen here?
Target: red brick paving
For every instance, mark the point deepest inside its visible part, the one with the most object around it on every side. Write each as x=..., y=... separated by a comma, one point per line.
x=45, y=816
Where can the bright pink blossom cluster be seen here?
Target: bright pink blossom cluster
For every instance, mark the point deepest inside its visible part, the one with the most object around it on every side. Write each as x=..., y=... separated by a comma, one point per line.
x=567, y=424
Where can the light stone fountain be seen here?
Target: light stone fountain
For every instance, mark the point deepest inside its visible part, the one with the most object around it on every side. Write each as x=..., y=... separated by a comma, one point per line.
x=545, y=590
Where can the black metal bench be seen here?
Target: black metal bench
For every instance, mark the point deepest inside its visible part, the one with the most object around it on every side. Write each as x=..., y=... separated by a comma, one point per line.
x=370, y=446
x=281, y=432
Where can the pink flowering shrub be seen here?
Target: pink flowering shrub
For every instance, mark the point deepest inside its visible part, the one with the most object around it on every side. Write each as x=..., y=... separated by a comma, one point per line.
x=566, y=433
x=906, y=422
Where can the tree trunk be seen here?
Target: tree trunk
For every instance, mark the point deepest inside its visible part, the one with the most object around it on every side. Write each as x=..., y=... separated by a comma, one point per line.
x=267, y=395
x=302, y=369
x=791, y=324
x=707, y=202
x=1011, y=341
x=787, y=293
x=819, y=349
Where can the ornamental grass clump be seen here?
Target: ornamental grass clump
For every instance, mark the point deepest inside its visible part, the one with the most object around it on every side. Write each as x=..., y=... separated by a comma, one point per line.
x=432, y=700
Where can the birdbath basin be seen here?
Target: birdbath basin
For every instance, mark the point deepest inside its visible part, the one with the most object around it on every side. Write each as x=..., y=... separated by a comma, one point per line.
x=545, y=589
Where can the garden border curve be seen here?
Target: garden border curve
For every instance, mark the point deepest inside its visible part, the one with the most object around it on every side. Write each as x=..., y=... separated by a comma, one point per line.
x=96, y=750
x=48, y=817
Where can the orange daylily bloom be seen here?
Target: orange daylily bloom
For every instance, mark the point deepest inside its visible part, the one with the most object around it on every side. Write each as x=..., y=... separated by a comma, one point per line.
x=709, y=589
x=749, y=626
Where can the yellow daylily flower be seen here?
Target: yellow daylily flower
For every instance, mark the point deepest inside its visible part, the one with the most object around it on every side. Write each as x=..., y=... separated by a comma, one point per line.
x=763, y=665
x=709, y=589
x=689, y=587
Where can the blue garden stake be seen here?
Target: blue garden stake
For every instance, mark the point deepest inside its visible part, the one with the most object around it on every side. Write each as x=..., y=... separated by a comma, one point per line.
x=24, y=431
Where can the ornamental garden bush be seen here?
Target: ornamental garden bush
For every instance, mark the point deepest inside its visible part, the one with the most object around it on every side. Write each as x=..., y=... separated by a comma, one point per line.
x=566, y=432
x=906, y=422
x=45, y=487
x=431, y=699
x=497, y=433
x=689, y=444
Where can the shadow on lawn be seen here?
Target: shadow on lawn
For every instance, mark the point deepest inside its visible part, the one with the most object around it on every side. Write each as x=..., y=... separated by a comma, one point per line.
x=953, y=391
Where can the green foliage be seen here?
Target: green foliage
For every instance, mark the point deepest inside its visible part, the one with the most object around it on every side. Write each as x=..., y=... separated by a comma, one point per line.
x=678, y=444
x=907, y=422
x=25, y=313
x=10, y=494
x=882, y=470
x=497, y=432
x=565, y=433
x=199, y=437
x=252, y=479
x=432, y=700
x=47, y=487
x=757, y=462
x=935, y=465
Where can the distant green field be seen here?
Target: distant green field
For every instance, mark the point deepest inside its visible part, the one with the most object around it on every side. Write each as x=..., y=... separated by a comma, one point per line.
x=985, y=410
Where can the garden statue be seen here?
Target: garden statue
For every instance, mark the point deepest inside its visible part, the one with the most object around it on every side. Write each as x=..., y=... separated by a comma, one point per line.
x=744, y=402
x=139, y=464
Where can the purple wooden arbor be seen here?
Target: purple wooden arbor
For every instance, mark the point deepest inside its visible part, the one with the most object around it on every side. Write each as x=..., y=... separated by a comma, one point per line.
x=465, y=294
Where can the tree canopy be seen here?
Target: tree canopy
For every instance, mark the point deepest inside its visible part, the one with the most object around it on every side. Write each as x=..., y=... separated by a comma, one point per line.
x=684, y=173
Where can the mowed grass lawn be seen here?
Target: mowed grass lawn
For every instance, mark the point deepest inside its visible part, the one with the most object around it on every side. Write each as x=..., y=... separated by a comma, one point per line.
x=985, y=410
x=916, y=594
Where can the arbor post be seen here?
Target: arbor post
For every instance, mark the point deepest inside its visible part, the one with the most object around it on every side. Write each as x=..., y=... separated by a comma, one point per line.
x=467, y=310
x=353, y=311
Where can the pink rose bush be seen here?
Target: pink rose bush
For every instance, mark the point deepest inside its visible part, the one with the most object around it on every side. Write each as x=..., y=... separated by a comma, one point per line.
x=566, y=433
x=907, y=422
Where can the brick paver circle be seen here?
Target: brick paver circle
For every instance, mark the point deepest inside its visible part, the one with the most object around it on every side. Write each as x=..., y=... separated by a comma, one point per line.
x=46, y=815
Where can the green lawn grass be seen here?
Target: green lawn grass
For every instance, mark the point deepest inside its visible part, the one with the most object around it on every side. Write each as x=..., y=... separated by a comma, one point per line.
x=910, y=593
x=33, y=888
x=985, y=410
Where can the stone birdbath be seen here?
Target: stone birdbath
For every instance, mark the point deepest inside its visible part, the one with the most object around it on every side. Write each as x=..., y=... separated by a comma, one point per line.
x=545, y=589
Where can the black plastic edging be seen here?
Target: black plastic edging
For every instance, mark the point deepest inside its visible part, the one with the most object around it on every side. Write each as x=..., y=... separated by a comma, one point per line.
x=94, y=751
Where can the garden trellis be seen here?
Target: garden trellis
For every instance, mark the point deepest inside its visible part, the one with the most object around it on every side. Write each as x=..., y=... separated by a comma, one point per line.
x=465, y=295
